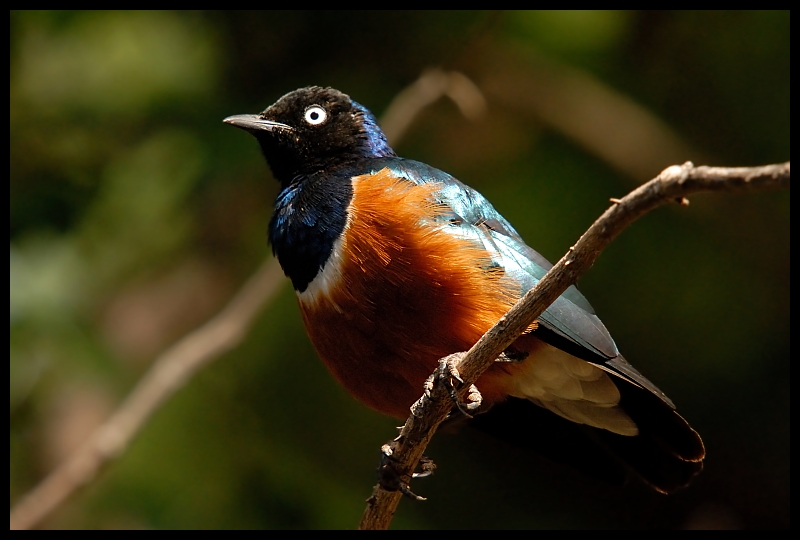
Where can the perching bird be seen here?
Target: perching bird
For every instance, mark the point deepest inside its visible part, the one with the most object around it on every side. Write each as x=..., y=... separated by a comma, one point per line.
x=397, y=264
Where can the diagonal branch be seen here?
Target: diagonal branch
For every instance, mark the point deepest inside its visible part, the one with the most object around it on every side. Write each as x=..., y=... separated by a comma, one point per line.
x=169, y=372
x=674, y=184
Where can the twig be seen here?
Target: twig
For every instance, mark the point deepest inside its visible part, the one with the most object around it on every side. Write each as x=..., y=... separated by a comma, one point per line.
x=673, y=184
x=432, y=85
x=168, y=374
x=599, y=118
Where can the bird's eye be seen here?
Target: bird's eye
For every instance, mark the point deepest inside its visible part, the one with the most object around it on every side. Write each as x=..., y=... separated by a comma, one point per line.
x=315, y=115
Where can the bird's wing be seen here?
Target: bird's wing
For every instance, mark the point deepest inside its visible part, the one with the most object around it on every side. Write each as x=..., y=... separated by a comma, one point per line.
x=570, y=322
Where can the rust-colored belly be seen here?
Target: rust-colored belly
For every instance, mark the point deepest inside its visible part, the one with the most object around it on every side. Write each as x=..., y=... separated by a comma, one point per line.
x=401, y=293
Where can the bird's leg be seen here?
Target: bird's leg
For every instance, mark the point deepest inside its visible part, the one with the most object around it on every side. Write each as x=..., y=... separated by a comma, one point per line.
x=391, y=480
x=445, y=374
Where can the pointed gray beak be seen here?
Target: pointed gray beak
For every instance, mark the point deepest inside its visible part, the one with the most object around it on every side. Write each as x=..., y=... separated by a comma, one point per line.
x=253, y=122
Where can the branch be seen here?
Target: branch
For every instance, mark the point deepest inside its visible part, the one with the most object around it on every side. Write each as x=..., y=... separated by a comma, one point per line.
x=674, y=184
x=431, y=86
x=168, y=374
x=597, y=117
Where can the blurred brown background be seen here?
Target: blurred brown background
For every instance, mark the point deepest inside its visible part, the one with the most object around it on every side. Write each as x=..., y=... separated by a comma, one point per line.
x=135, y=214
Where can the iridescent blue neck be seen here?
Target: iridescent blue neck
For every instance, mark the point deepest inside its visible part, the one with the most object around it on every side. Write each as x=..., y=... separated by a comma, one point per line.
x=376, y=140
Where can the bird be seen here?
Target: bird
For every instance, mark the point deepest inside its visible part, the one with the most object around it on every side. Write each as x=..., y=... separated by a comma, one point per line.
x=397, y=264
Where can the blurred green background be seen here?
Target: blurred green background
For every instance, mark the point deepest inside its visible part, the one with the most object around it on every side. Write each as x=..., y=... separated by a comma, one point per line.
x=135, y=214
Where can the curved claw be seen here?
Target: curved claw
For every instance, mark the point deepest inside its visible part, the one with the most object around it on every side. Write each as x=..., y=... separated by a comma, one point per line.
x=389, y=478
x=427, y=467
x=444, y=375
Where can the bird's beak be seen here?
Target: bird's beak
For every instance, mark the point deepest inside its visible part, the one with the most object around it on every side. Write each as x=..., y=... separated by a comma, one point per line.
x=253, y=122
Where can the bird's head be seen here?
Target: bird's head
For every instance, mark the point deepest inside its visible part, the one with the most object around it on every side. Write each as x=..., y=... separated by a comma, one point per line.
x=313, y=129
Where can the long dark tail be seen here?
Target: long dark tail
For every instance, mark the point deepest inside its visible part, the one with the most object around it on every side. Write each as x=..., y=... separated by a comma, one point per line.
x=666, y=454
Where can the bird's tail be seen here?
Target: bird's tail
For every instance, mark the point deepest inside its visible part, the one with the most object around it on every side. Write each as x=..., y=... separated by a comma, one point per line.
x=666, y=454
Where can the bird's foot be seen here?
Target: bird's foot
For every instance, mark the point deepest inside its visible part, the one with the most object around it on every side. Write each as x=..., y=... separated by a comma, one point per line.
x=446, y=374
x=390, y=478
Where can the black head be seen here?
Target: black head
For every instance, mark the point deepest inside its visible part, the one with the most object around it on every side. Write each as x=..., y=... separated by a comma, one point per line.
x=313, y=129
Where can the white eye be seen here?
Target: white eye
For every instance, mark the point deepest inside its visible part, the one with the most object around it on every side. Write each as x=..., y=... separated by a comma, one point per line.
x=315, y=115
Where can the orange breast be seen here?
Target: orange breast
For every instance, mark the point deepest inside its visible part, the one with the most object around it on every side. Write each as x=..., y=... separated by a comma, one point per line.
x=399, y=293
